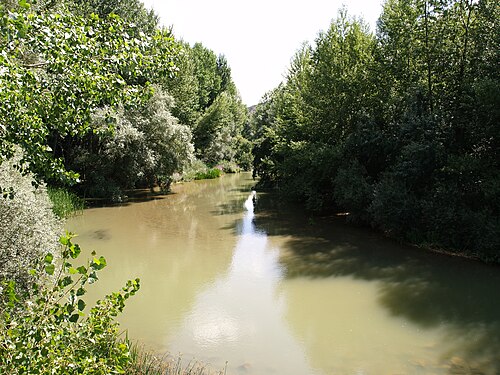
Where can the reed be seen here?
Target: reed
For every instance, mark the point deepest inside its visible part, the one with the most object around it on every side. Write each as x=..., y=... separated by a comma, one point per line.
x=65, y=203
x=144, y=362
x=210, y=174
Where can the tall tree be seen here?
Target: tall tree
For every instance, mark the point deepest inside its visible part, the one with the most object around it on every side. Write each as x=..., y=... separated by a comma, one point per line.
x=57, y=68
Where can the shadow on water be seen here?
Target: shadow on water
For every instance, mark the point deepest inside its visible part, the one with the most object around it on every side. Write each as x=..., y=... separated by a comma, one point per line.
x=229, y=208
x=234, y=206
x=140, y=197
x=431, y=290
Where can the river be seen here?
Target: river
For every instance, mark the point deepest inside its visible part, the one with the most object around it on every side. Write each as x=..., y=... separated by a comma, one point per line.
x=227, y=275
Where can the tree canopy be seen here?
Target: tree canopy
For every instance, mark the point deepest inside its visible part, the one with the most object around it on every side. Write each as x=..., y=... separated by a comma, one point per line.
x=65, y=62
x=400, y=129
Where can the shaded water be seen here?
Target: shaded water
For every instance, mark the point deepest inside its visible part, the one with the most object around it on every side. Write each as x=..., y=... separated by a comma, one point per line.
x=229, y=276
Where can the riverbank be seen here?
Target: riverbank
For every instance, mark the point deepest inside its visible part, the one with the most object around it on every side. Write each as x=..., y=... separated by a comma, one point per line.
x=472, y=255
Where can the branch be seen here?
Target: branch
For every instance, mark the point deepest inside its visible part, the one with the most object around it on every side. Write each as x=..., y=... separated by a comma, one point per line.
x=36, y=65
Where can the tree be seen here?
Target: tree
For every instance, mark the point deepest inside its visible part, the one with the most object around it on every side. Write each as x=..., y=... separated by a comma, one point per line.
x=57, y=68
x=184, y=87
x=206, y=73
x=217, y=132
x=132, y=11
x=146, y=147
x=338, y=88
x=29, y=228
x=399, y=130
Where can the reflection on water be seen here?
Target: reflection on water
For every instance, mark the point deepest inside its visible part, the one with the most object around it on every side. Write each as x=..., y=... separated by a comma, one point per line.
x=255, y=284
x=240, y=315
x=402, y=309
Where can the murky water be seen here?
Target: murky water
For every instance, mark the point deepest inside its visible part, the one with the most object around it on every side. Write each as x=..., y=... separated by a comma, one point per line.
x=229, y=276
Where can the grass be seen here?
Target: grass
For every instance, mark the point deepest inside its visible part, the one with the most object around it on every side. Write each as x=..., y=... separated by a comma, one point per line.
x=65, y=203
x=210, y=174
x=200, y=171
x=146, y=363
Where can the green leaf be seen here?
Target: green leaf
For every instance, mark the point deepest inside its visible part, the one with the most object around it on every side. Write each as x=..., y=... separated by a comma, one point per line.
x=74, y=251
x=73, y=271
x=74, y=318
x=81, y=305
x=50, y=268
x=49, y=258
x=24, y=4
x=92, y=278
x=66, y=281
x=98, y=264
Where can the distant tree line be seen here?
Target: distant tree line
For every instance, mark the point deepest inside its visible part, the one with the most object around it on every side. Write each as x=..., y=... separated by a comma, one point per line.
x=400, y=129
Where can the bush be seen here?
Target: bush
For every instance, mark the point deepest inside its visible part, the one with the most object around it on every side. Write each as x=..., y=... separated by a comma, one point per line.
x=394, y=208
x=49, y=332
x=148, y=145
x=198, y=170
x=352, y=191
x=210, y=174
x=196, y=167
x=65, y=203
x=229, y=167
x=29, y=228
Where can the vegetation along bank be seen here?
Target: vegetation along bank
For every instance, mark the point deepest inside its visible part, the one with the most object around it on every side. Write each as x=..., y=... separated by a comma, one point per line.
x=398, y=128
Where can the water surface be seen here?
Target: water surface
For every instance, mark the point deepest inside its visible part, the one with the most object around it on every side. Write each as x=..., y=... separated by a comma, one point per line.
x=227, y=275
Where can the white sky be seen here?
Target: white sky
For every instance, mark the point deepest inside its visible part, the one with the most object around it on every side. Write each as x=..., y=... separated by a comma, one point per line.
x=258, y=37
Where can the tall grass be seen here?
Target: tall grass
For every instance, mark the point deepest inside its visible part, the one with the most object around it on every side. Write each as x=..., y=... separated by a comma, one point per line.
x=200, y=171
x=144, y=362
x=65, y=203
x=210, y=174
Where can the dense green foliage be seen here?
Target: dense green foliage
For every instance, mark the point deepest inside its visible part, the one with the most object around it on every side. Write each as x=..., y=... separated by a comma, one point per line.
x=57, y=68
x=210, y=174
x=84, y=81
x=207, y=100
x=50, y=333
x=65, y=203
x=147, y=145
x=398, y=129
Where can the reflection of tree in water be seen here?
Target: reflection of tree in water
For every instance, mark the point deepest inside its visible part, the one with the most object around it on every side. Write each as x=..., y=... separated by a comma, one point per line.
x=239, y=317
x=433, y=291
x=190, y=201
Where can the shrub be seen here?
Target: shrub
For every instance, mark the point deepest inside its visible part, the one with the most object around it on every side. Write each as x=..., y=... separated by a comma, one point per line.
x=394, y=208
x=352, y=191
x=196, y=167
x=28, y=226
x=65, y=203
x=210, y=174
x=148, y=145
x=229, y=167
x=49, y=333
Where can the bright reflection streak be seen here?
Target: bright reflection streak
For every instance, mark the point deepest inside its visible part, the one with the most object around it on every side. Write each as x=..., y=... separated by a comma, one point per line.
x=242, y=312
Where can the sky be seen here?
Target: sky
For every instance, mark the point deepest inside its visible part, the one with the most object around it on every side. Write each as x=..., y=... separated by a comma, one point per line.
x=258, y=37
